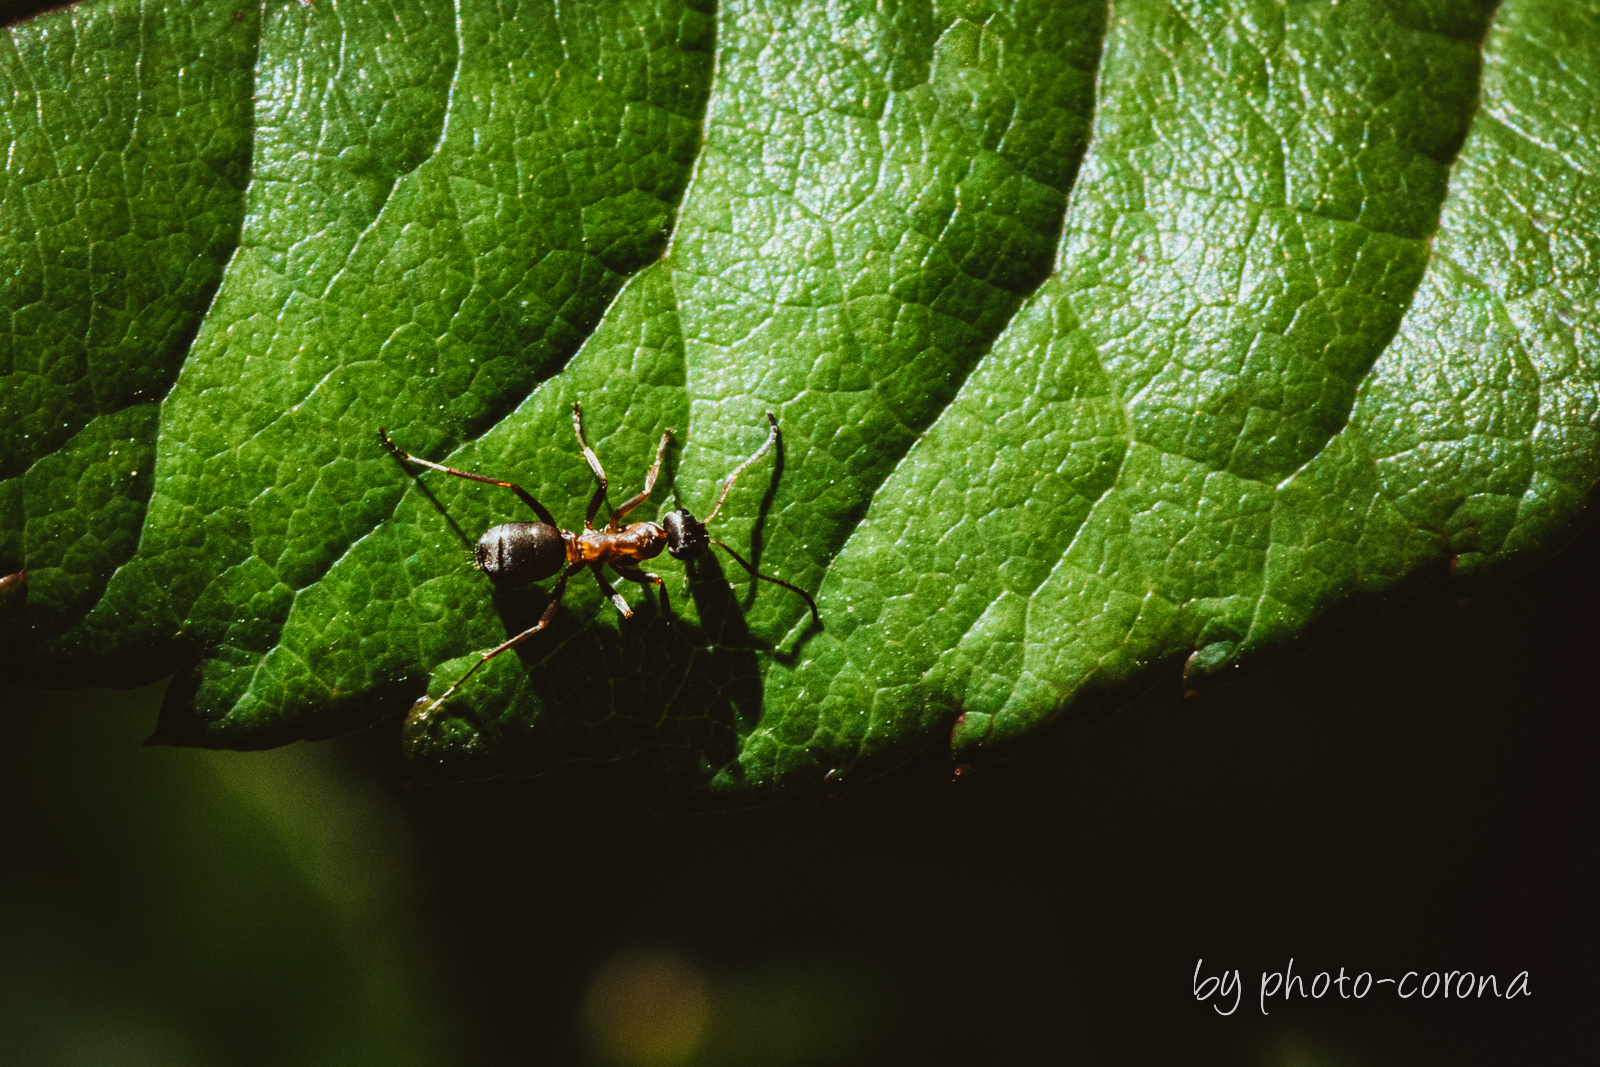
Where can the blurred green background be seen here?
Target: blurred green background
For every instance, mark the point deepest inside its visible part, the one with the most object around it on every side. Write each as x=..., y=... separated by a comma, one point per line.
x=1417, y=792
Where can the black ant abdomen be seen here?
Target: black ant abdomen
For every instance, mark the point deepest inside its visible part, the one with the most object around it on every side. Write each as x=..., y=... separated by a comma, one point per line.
x=516, y=553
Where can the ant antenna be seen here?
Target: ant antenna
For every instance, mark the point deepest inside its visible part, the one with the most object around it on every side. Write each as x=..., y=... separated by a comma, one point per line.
x=740, y=560
x=740, y=469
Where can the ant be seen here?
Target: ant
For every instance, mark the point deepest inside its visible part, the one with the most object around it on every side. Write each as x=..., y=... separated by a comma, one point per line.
x=516, y=553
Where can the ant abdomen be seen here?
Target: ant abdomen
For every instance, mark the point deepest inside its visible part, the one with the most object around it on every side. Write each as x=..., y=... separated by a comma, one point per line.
x=516, y=553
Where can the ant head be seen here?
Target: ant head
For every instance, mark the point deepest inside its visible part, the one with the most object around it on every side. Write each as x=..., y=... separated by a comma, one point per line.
x=521, y=552
x=686, y=535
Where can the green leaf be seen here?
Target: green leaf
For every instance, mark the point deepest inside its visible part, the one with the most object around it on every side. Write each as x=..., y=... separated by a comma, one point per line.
x=1098, y=341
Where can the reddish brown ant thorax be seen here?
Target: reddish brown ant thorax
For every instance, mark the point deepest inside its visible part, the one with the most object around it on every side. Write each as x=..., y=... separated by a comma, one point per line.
x=636, y=541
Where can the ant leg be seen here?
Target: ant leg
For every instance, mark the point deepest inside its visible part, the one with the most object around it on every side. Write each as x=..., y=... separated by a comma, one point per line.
x=646, y=578
x=527, y=498
x=544, y=620
x=771, y=437
x=594, y=465
x=610, y=591
x=649, y=484
x=812, y=604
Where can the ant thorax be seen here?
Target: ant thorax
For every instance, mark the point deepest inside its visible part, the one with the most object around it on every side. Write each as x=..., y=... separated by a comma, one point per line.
x=636, y=541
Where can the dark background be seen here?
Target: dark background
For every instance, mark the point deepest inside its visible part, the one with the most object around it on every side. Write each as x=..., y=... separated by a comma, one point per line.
x=1416, y=792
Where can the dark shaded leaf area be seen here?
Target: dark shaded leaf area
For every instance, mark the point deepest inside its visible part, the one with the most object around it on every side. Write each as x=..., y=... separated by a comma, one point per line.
x=1099, y=340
